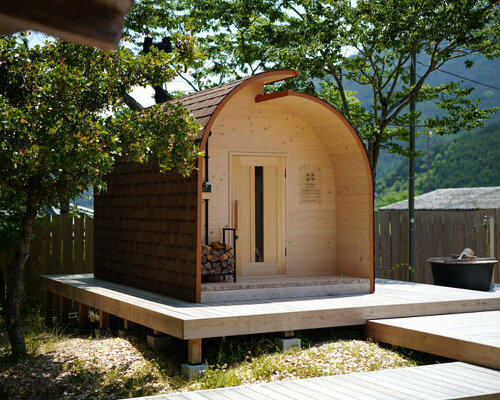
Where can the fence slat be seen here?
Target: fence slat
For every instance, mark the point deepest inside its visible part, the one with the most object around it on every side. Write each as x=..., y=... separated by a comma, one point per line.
x=44, y=266
x=396, y=237
x=67, y=224
x=419, y=251
x=385, y=245
x=428, y=246
x=89, y=244
x=376, y=244
x=496, y=213
x=55, y=255
x=403, y=250
x=79, y=245
x=31, y=274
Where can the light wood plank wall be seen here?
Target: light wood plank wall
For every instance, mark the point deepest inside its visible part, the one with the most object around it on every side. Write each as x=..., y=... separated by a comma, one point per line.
x=327, y=229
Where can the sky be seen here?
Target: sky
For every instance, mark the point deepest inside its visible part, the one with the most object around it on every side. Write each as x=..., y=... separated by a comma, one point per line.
x=145, y=95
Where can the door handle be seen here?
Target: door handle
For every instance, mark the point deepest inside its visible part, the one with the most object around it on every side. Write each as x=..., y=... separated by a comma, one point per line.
x=235, y=214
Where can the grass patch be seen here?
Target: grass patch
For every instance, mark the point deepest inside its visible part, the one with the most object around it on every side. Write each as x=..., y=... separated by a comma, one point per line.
x=325, y=352
x=63, y=366
x=36, y=335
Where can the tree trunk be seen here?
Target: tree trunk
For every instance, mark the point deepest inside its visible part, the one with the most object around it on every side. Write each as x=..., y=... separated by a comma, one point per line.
x=15, y=270
x=2, y=289
x=373, y=153
x=132, y=103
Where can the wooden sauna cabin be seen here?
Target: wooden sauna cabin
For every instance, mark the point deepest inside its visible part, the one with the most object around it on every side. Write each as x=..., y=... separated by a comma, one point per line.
x=285, y=172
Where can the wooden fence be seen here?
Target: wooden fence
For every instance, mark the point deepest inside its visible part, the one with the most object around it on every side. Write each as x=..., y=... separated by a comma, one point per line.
x=65, y=244
x=437, y=233
x=61, y=244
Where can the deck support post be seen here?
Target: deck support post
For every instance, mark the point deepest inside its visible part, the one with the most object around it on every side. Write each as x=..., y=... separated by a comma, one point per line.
x=49, y=297
x=83, y=316
x=287, y=340
x=103, y=324
x=159, y=341
x=127, y=330
x=103, y=319
x=64, y=306
x=194, y=367
x=194, y=351
x=128, y=325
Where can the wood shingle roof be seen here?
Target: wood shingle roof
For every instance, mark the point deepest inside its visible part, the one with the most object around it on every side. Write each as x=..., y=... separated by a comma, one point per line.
x=204, y=104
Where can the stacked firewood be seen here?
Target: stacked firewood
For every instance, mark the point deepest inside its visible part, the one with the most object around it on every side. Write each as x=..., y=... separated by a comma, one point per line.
x=218, y=258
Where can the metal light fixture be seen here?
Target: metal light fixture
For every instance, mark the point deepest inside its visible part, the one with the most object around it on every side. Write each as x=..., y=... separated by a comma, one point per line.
x=161, y=95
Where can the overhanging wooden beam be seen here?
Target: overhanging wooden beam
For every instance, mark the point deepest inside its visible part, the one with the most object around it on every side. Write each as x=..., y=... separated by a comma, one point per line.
x=93, y=22
x=276, y=95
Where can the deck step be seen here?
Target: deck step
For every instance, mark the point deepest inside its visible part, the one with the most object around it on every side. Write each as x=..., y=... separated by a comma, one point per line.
x=471, y=337
x=284, y=292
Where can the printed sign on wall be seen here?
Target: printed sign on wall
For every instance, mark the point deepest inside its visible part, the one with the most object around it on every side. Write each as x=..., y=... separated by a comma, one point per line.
x=310, y=185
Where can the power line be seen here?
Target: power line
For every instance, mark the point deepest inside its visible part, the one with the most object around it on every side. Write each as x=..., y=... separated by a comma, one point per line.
x=406, y=126
x=461, y=77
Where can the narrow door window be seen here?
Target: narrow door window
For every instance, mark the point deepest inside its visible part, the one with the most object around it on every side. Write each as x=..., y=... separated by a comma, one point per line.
x=259, y=214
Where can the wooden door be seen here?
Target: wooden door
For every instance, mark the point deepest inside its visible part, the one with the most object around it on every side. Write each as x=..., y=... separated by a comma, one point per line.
x=258, y=190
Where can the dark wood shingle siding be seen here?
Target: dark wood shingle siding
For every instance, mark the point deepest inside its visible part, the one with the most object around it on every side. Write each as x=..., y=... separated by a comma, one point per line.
x=146, y=230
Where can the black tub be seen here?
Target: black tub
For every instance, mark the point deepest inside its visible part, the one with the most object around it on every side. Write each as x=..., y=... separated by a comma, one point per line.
x=466, y=273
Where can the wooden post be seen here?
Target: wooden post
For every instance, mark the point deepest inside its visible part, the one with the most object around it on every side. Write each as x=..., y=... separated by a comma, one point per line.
x=103, y=319
x=128, y=325
x=287, y=334
x=194, y=351
x=48, y=308
x=83, y=316
x=64, y=307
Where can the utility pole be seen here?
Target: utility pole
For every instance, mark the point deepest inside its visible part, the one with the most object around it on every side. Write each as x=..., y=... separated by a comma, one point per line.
x=411, y=173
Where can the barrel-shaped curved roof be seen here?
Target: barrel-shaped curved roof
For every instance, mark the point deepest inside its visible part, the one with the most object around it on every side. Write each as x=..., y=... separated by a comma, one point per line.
x=206, y=104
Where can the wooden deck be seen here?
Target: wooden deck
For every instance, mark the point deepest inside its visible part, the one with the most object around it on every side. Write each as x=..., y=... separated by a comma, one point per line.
x=430, y=382
x=185, y=320
x=471, y=337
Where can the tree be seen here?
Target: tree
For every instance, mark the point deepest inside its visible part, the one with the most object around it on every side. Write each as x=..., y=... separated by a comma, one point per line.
x=231, y=34
x=63, y=125
x=368, y=42
x=381, y=36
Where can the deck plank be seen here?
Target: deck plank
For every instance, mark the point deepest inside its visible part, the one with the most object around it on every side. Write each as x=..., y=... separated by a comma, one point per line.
x=457, y=382
x=313, y=387
x=408, y=390
x=370, y=387
x=471, y=337
x=429, y=382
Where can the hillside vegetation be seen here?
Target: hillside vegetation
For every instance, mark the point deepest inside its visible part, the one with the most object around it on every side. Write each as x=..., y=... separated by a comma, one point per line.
x=468, y=160
x=483, y=70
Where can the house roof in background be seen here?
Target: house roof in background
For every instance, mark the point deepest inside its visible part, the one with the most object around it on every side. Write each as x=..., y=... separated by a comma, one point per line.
x=453, y=199
x=74, y=207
